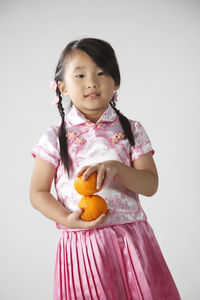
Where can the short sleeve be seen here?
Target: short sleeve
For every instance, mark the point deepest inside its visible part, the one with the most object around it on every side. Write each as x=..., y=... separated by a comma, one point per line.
x=47, y=147
x=142, y=141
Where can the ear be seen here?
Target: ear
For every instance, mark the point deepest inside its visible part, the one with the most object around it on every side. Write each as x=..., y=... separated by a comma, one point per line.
x=116, y=86
x=62, y=88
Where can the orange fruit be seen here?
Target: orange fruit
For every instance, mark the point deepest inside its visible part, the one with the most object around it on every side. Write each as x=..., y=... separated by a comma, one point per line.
x=93, y=206
x=88, y=186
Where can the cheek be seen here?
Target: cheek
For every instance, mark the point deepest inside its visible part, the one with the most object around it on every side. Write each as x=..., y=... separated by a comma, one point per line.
x=74, y=86
x=109, y=87
x=109, y=83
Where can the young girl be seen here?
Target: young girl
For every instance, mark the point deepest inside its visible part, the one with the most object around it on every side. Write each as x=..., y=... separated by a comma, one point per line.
x=115, y=256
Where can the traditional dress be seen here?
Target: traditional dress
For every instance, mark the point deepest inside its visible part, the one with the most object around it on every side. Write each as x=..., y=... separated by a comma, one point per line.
x=120, y=259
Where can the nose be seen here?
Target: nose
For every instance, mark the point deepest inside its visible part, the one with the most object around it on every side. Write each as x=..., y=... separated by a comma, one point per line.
x=92, y=86
x=92, y=82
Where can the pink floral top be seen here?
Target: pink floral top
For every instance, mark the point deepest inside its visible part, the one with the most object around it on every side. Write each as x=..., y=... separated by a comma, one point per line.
x=90, y=143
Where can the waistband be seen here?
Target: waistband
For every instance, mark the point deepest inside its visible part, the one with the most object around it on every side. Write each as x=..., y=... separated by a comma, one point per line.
x=97, y=227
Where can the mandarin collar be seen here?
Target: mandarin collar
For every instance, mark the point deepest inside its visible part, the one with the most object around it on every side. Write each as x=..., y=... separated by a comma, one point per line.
x=75, y=117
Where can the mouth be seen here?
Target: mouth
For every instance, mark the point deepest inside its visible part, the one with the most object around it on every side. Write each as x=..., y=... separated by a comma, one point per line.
x=92, y=95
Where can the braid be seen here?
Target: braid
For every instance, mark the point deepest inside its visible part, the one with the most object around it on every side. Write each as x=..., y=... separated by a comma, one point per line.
x=124, y=123
x=62, y=133
x=103, y=55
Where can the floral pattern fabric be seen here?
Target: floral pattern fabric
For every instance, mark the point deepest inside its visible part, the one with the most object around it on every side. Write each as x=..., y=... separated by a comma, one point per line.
x=90, y=143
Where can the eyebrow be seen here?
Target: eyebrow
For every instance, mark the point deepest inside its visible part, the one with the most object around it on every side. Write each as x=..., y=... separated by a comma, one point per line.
x=79, y=68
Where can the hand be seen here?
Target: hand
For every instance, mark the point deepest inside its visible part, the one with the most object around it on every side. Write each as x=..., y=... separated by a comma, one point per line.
x=104, y=170
x=73, y=221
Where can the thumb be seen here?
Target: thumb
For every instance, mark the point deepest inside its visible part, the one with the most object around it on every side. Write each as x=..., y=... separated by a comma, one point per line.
x=78, y=212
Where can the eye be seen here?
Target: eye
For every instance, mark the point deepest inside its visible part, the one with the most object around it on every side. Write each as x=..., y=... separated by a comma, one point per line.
x=79, y=76
x=101, y=73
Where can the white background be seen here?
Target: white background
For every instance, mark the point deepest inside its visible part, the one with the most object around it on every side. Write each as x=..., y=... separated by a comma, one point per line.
x=157, y=44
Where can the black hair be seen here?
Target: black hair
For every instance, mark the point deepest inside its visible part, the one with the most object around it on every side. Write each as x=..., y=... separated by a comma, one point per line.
x=103, y=55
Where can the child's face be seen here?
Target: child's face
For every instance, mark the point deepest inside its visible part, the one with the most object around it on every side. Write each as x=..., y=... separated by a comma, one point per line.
x=89, y=88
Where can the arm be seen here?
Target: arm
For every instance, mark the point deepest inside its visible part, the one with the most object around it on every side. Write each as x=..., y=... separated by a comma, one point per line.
x=40, y=196
x=42, y=200
x=142, y=179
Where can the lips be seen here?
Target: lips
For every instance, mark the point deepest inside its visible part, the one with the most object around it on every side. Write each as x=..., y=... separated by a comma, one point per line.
x=93, y=95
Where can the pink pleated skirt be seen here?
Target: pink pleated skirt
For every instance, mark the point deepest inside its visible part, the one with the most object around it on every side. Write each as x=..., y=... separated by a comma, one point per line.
x=119, y=262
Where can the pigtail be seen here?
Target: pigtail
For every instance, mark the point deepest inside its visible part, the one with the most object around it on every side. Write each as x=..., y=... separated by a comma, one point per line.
x=103, y=55
x=124, y=123
x=62, y=134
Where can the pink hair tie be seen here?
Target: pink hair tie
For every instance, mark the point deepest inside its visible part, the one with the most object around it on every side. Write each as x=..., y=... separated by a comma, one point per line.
x=55, y=101
x=53, y=85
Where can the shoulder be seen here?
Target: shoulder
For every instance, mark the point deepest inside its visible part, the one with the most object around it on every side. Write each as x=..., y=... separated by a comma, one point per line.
x=49, y=136
x=52, y=131
x=139, y=132
x=135, y=125
x=47, y=147
x=53, y=128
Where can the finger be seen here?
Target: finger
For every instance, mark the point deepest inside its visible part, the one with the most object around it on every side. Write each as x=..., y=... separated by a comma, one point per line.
x=89, y=171
x=98, y=221
x=108, y=213
x=101, y=218
x=77, y=213
x=100, y=177
x=82, y=170
x=106, y=177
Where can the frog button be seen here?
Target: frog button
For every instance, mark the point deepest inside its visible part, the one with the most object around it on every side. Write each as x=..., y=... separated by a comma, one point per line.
x=90, y=124
x=99, y=125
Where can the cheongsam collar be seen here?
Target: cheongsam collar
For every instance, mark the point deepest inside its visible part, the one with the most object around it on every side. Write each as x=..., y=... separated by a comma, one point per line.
x=75, y=117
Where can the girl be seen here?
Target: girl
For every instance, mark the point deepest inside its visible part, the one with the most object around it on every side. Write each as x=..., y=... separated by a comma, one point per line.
x=115, y=256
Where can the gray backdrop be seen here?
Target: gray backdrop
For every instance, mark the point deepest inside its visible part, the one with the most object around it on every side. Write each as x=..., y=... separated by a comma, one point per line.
x=157, y=44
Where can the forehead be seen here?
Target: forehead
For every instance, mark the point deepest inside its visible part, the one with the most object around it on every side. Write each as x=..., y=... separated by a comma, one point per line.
x=79, y=60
